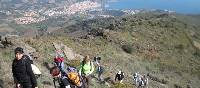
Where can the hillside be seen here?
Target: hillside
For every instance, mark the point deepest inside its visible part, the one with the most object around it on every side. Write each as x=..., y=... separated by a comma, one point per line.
x=166, y=46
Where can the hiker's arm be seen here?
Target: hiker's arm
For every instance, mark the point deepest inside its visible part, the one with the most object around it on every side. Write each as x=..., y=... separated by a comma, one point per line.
x=92, y=70
x=115, y=77
x=147, y=81
x=31, y=74
x=15, y=79
x=14, y=76
x=80, y=70
x=66, y=83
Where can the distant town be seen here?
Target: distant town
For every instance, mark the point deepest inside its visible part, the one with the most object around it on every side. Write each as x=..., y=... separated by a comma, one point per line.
x=39, y=12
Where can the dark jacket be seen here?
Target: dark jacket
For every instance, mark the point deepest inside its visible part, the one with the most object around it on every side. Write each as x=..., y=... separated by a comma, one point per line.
x=22, y=72
x=119, y=76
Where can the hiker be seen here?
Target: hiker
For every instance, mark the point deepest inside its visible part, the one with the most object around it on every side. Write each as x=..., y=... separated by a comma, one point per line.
x=144, y=81
x=140, y=80
x=62, y=79
x=137, y=78
x=100, y=71
x=119, y=76
x=22, y=71
x=86, y=69
x=59, y=60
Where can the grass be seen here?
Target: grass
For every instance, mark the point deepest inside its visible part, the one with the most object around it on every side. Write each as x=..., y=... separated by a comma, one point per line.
x=145, y=45
x=125, y=85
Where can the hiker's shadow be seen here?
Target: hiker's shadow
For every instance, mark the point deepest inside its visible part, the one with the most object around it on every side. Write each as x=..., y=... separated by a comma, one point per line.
x=109, y=80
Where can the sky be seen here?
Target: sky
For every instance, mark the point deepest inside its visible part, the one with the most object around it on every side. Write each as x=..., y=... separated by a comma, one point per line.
x=180, y=6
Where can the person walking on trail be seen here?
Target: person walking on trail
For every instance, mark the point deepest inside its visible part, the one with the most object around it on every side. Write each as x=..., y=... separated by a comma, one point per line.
x=59, y=60
x=22, y=71
x=100, y=71
x=140, y=80
x=137, y=78
x=119, y=76
x=144, y=81
x=100, y=68
x=86, y=69
x=62, y=79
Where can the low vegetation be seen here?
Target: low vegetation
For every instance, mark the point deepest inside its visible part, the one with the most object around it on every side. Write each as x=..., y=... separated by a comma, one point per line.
x=158, y=44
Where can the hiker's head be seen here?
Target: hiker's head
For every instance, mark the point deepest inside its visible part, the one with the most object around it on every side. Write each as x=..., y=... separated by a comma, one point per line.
x=86, y=59
x=55, y=71
x=119, y=72
x=144, y=76
x=59, y=53
x=97, y=58
x=19, y=52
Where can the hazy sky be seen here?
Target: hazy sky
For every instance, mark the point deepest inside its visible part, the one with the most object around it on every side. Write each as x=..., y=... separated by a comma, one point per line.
x=181, y=6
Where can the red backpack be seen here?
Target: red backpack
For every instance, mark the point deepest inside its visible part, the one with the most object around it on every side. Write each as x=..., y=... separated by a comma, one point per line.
x=59, y=59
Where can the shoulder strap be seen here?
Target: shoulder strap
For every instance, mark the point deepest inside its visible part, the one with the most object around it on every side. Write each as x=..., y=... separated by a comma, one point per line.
x=91, y=66
x=82, y=67
x=24, y=60
x=54, y=82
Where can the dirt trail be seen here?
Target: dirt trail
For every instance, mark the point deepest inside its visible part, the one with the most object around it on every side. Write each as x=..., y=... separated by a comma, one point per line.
x=69, y=53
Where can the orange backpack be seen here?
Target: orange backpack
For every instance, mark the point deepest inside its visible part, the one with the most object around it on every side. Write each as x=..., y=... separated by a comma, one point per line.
x=74, y=78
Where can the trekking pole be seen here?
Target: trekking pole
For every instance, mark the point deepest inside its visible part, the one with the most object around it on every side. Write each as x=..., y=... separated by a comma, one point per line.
x=54, y=82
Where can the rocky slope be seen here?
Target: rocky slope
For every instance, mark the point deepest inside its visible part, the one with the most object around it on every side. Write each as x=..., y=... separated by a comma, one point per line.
x=163, y=45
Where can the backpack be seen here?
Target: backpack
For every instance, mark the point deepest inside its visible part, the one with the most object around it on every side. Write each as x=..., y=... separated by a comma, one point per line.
x=71, y=69
x=58, y=59
x=35, y=69
x=59, y=62
x=73, y=76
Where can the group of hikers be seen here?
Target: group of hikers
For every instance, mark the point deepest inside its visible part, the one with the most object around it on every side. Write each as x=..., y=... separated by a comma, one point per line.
x=25, y=75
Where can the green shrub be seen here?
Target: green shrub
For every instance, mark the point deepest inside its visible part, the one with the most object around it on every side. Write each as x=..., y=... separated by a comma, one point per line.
x=127, y=48
x=177, y=86
x=180, y=46
x=119, y=85
x=197, y=53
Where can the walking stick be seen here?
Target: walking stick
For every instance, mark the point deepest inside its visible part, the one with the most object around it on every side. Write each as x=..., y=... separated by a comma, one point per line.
x=54, y=82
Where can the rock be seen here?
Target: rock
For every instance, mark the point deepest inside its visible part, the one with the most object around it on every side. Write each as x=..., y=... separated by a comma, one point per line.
x=196, y=44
